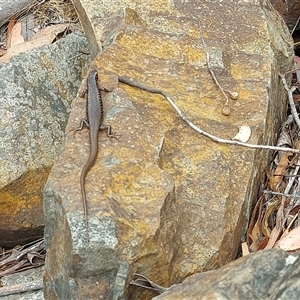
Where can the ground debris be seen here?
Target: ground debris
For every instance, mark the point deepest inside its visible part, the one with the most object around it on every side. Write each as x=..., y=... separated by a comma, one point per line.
x=22, y=258
x=276, y=214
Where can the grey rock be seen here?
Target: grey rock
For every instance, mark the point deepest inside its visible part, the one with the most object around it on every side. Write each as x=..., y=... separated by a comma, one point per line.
x=27, y=276
x=9, y=8
x=36, y=91
x=268, y=274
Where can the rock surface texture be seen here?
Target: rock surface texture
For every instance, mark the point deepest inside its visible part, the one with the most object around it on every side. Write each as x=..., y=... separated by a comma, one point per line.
x=165, y=202
x=36, y=93
x=9, y=8
x=269, y=274
x=17, y=281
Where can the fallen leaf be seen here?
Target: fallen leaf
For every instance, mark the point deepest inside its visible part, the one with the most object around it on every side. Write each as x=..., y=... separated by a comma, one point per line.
x=254, y=246
x=289, y=242
x=43, y=37
x=276, y=177
x=276, y=230
x=295, y=209
x=16, y=36
x=273, y=237
x=263, y=244
x=255, y=233
x=244, y=134
x=254, y=228
x=10, y=26
x=296, y=97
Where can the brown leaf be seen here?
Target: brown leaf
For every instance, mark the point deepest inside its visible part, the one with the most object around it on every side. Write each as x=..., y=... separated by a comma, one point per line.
x=254, y=228
x=277, y=229
x=263, y=244
x=291, y=241
x=43, y=37
x=10, y=26
x=256, y=233
x=16, y=36
x=276, y=177
x=296, y=97
x=295, y=210
x=273, y=237
x=255, y=245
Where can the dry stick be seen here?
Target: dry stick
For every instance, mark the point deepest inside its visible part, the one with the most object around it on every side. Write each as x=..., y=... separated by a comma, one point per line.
x=16, y=255
x=295, y=25
x=291, y=100
x=282, y=194
x=136, y=84
x=292, y=71
x=280, y=219
x=286, y=191
x=212, y=73
x=14, y=268
x=21, y=287
x=295, y=172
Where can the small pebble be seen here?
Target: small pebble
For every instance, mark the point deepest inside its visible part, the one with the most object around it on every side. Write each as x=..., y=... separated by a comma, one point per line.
x=226, y=110
x=234, y=95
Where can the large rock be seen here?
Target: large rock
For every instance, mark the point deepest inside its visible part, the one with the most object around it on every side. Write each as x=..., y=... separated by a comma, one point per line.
x=36, y=89
x=10, y=8
x=269, y=274
x=165, y=202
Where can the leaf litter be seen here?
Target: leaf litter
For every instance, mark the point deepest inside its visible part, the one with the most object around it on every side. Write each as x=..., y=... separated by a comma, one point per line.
x=21, y=258
x=38, y=24
x=275, y=220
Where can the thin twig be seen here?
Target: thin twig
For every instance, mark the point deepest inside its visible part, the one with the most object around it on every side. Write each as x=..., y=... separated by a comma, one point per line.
x=21, y=287
x=292, y=71
x=17, y=255
x=282, y=194
x=295, y=172
x=295, y=25
x=291, y=100
x=136, y=84
x=212, y=73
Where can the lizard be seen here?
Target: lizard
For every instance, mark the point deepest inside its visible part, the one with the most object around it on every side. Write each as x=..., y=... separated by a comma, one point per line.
x=93, y=121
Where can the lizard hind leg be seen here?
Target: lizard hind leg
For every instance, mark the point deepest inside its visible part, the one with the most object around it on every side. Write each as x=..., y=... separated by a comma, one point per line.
x=83, y=123
x=109, y=132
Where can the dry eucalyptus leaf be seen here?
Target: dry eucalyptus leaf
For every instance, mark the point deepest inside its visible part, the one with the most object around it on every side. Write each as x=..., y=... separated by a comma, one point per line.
x=244, y=134
x=43, y=37
x=291, y=241
x=16, y=34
